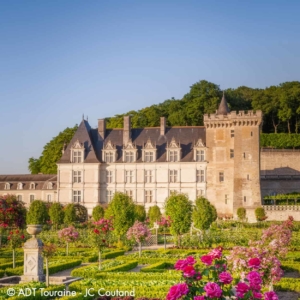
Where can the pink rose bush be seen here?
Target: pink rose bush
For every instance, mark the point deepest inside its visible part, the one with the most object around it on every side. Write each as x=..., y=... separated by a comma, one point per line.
x=68, y=235
x=216, y=282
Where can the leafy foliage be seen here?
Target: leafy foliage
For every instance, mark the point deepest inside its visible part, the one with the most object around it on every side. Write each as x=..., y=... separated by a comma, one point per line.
x=98, y=212
x=179, y=208
x=37, y=213
x=51, y=154
x=56, y=214
x=154, y=214
x=241, y=213
x=70, y=214
x=121, y=209
x=204, y=214
x=280, y=140
x=81, y=213
x=260, y=214
x=12, y=211
x=140, y=213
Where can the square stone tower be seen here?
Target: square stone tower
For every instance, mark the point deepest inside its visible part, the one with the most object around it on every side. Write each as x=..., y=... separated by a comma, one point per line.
x=233, y=155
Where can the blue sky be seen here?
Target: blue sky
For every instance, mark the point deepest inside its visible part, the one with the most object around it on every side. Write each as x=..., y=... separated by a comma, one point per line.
x=63, y=58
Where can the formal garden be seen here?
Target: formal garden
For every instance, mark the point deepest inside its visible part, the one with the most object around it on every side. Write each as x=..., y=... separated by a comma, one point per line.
x=108, y=255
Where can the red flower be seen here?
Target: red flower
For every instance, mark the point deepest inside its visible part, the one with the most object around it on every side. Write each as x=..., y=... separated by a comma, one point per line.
x=96, y=231
x=22, y=236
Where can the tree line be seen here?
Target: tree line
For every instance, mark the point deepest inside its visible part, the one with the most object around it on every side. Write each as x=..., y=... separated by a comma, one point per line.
x=280, y=106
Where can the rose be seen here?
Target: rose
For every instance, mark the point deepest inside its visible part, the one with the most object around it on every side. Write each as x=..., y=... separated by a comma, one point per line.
x=177, y=291
x=199, y=298
x=225, y=277
x=254, y=280
x=241, y=289
x=189, y=271
x=216, y=253
x=213, y=290
x=190, y=260
x=257, y=295
x=207, y=259
x=254, y=262
x=270, y=296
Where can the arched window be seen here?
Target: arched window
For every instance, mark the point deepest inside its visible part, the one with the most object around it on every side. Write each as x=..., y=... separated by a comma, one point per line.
x=49, y=186
x=49, y=198
x=7, y=186
x=20, y=186
x=32, y=185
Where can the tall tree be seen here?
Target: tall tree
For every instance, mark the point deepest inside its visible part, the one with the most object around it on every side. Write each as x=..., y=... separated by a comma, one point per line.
x=204, y=213
x=52, y=152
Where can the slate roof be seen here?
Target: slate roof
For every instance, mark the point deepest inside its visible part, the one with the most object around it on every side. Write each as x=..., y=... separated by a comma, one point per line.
x=40, y=181
x=223, y=107
x=187, y=136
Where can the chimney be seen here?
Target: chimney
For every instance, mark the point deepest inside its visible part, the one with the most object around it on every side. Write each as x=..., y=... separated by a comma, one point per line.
x=162, y=125
x=126, y=129
x=102, y=128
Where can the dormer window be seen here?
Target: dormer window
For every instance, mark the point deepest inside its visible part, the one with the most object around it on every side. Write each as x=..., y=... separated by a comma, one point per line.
x=129, y=152
x=50, y=186
x=109, y=153
x=32, y=186
x=20, y=186
x=199, y=151
x=7, y=186
x=173, y=151
x=77, y=152
x=149, y=152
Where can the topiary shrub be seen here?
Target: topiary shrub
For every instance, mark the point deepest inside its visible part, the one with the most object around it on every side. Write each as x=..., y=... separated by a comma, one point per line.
x=260, y=214
x=241, y=213
x=98, y=213
x=81, y=213
x=70, y=214
x=37, y=213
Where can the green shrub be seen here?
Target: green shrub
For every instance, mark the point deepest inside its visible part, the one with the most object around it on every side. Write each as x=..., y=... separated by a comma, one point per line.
x=241, y=213
x=280, y=140
x=2, y=272
x=98, y=213
x=260, y=214
x=157, y=267
x=112, y=254
x=37, y=213
x=10, y=264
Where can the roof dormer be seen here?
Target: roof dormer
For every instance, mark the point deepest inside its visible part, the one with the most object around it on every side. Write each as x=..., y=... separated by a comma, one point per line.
x=149, y=151
x=199, y=151
x=173, y=151
x=77, y=152
x=109, y=153
x=129, y=152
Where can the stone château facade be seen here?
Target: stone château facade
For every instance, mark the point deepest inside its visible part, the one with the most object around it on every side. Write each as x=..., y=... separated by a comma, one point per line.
x=220, y=160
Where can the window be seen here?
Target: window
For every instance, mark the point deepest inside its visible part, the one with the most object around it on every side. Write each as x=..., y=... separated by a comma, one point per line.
x=31, y=198
x=32, y=186
x=173, y=155
x=232, y=133
x=20, y=186
x=7, y=186
x=199, y=193
x=77, y=156
x=251, y=133
x=77, y=196
x=49, y=185
x=148, y=176
x=49, y=198
x=244, y=155
x=129, y=193
x=226, y=199
x=77, y=176
x=231, y=153
x=109, y=176
x=245, y=199
x=200, y=176
x=248, y=177
x=221, y=176
x=148, y=196
x=19, y=197
x=173, y=175
x=109, y=196
x=128, y=176
x=200, y=155
x=149, y=156
x=109, y=157
x=129, y=156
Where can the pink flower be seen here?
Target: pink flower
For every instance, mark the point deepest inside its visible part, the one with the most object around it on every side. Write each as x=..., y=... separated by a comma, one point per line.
x=207, y=259
x=190, y=260
x=177, y=291
x=213, y=290
x=199, y=298
x=254, y=262
x=189, y=271
x=241, y=289
x=216, y=253
x=270, y=296
x=254, y=280
x=180, y=264
x=257, y=295
x=198, y=276
x=225, y=277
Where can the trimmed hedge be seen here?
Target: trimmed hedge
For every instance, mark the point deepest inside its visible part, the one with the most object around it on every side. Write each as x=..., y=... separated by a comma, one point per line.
x=52, y=268
x=158, y=267
x=2, y=272
x=288, y=284
x=280, y=140
x=10, y=264
x=112, y=254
